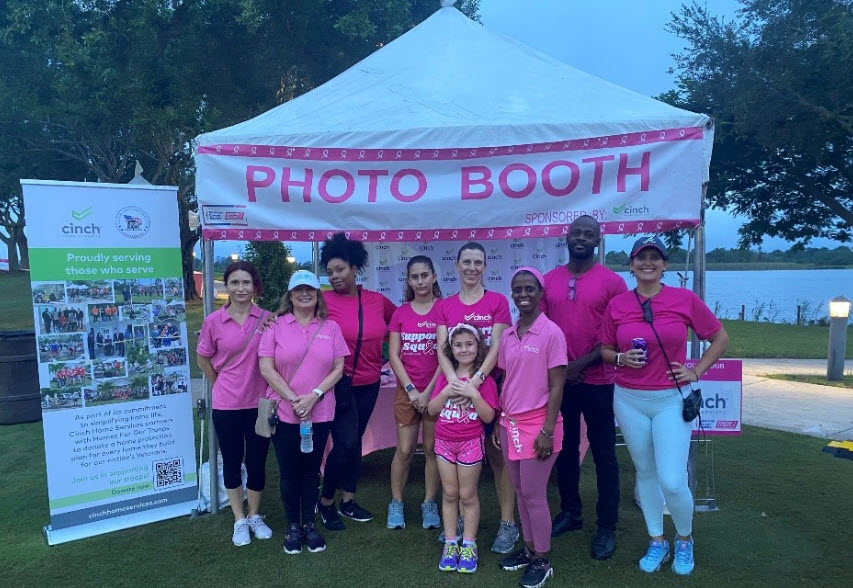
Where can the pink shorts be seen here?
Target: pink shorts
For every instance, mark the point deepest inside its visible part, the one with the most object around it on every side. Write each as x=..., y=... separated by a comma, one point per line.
x=464, y=453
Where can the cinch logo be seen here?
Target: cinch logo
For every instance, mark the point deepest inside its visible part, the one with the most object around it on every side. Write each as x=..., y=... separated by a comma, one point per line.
x=478, y=317
x=406, y=252
x=516, y=244
x=383, y=247
x=561, y=244
x=73, y=229
x=531, y=349
x=133, y=222
x=426, y=247
x=427, y=325
x=628, y=210
x=495, y=257
x=716, y=402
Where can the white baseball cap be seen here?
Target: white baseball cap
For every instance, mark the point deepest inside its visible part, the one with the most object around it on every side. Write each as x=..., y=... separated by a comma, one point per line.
x=303, y=278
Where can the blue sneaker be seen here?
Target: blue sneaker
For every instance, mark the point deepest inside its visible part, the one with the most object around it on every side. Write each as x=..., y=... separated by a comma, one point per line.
x=682, y=563
x=429, y=512
x=468, y=556
x=396, y=520
x=449, y=558
x=656, y=555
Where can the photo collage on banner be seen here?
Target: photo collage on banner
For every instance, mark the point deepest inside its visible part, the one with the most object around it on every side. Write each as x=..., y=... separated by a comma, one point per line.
x=111, y=338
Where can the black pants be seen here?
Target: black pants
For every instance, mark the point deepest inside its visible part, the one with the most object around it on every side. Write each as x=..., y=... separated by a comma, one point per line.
x=595, y=402
x=235, y=430
x=352, y=411
x=300, y=472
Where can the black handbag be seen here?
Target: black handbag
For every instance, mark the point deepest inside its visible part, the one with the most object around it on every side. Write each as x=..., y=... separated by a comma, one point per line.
x=692, y=403
x=344, y=397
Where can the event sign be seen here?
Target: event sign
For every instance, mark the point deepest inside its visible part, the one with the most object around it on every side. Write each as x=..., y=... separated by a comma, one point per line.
x=722, y=397
x=304, y=193
x=108, y=306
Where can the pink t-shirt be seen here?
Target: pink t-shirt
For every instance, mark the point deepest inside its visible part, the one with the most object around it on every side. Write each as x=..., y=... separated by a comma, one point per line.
x=454, y=423
x=490, y=309
x=240, y=384
x=674, y=309
x=286, y=342
x=580, y=319
x=417, y=342
x=527, y=361
x=376, y=311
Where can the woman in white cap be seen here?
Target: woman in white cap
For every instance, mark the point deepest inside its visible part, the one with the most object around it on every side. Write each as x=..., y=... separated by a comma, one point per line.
x=302, y=358
x=644, y=334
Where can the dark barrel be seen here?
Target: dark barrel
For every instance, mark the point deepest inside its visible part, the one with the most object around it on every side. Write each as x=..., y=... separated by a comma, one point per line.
x=20, y=400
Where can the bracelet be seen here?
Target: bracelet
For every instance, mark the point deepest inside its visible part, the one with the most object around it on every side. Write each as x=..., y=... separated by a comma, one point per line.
x=549, y=435
x=618, y=359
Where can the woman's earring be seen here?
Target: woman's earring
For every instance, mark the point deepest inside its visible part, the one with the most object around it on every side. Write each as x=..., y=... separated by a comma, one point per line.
x=663, y=274
x=631, y=273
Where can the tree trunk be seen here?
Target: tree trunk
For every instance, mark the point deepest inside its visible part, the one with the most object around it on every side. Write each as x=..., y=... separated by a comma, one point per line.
x=188, y=240
x=12, y=248
x=23, y=249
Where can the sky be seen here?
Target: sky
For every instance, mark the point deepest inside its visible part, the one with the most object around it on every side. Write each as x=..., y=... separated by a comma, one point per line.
x=622, y=41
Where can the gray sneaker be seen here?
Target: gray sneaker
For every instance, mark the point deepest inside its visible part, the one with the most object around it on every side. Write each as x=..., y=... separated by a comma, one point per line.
x=506, y=539
x=429, y=512
x=460, y=525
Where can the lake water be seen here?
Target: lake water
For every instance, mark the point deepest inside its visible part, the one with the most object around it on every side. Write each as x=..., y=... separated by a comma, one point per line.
x=772, y=294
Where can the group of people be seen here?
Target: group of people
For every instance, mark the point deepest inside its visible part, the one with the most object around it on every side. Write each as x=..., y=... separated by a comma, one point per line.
x=475, y=387
x=103, y=312
x=109, y=344
x=66, y=320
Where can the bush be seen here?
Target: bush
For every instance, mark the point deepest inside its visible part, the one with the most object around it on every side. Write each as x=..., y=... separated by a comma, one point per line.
x=270, y=257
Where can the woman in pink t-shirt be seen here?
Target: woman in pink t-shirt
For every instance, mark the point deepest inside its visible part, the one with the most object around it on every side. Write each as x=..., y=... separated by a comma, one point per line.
x=530, y=430
x=228, y=357
x=459, y=441
x=489, y=312
x=412, y=354
x=363, y=316
x=647, y=400
x=302, y=358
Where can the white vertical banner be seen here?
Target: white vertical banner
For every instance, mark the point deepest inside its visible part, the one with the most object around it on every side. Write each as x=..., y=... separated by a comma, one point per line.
x=386, y=271
x=110, y=318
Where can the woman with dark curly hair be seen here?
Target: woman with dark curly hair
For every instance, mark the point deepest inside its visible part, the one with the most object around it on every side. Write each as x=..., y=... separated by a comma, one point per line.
x=363, y=316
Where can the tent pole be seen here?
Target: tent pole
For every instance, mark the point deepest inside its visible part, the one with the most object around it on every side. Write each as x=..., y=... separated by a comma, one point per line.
x=209, y=292
x=602, y=251
x=699, y=270
x=315, y=257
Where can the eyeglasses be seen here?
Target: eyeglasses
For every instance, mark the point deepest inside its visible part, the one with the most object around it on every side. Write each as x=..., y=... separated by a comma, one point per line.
x=570, y=295
x=646, y=306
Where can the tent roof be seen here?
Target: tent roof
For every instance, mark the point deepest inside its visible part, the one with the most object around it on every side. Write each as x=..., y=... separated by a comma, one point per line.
x=451, y=81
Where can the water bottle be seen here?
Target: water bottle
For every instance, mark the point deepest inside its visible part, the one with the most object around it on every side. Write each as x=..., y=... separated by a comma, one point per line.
x=306, y=433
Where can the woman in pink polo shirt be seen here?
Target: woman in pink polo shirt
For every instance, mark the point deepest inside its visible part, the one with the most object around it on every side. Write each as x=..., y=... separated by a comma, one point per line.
x=363, y=316
x=647, y=400
x=413, y=357
x=489, y=312
x=228, y=356
x=530, y=430
x=302, y=358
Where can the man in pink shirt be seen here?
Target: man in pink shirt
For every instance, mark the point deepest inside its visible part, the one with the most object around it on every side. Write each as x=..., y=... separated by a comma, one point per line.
x=576, y=297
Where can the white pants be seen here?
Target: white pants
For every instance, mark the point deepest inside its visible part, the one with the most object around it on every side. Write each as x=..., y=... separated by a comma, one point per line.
x=658, y=440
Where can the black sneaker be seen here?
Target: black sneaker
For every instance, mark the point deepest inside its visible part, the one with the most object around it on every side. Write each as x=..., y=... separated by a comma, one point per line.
x=353, y=511
x=604, y=544
x=564, y=522
x=330, y=517
x=293, y=539
x=516, y=561
x=313, y=539
x=537, y=573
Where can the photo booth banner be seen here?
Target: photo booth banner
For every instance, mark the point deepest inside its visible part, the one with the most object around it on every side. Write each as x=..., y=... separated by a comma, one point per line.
x=108, y=306
x=302, y=193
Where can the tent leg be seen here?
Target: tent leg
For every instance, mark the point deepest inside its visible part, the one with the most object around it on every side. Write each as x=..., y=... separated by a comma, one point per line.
x=212, y=442
x=699, y=271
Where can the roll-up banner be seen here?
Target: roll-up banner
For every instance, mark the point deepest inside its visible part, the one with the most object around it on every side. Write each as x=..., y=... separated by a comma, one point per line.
x=110, y=321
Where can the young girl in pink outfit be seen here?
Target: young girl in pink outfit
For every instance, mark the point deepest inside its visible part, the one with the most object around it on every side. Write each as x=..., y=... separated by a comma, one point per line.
x=459, y=444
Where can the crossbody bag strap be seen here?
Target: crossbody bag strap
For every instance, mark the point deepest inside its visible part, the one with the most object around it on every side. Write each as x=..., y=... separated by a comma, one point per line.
x=305, y=353
x=252, y=333
x=360, y=333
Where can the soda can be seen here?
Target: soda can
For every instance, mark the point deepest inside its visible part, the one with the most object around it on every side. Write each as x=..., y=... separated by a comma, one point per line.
x=640, y=343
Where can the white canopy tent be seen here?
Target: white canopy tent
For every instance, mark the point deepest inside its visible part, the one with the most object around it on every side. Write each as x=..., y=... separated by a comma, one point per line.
x=453, y=132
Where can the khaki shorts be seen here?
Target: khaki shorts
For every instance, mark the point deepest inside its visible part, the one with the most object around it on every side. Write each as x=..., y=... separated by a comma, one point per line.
x=405, y=413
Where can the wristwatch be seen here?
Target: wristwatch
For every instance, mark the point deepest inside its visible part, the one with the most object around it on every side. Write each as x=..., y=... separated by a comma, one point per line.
x=409, y=387
x=481, y=375
x=318, y=392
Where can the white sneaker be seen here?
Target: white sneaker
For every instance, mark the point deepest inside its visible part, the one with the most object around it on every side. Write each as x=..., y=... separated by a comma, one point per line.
x=259, y=527
x=241, y=533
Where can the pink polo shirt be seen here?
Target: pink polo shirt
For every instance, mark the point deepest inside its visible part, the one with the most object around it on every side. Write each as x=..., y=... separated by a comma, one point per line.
x=674, y=310
x=377, y=311
x=580, y=319
x=527, y=361
x=240, y=384
x=286, y=343
x=455, y=423
x=417, y=342
x=490, y=309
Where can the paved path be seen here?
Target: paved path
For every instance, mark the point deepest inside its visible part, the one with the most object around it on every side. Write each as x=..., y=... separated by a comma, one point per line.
x=808, y=409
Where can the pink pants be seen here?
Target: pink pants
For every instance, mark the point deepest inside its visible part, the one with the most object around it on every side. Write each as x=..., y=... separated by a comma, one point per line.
x=530, y=478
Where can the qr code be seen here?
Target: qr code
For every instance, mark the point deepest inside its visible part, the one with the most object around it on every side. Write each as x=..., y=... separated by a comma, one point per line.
x=168, y=473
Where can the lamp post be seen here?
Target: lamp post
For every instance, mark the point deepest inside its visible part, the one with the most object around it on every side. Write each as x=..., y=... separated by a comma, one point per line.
x=839, y=310
x=291, y=259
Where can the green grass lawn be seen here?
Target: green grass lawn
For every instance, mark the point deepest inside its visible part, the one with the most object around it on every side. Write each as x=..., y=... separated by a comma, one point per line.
x=784, y=508
x=846, y=381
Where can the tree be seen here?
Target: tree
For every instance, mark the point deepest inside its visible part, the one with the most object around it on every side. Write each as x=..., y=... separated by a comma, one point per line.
x=270, y=257
x=778, y=83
